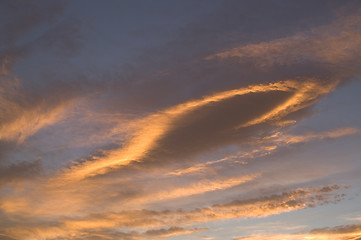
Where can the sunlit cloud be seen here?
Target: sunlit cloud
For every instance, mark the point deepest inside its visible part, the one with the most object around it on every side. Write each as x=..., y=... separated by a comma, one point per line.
x=203, y=120
x=155, y=126
x=291, y=139
x=19, y=119
x=30, y=122
x=346, y=232
x=49, y=232
x=138, y=219
x=200, y=187
x=331, y=44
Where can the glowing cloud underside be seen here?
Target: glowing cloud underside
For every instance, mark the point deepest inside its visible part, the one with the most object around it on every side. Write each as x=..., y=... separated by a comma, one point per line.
x=347, y=232
x=153, y=127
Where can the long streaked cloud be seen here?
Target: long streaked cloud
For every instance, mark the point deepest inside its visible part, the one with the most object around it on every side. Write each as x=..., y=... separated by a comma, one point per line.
x=128, y=196
x=135, y=219
x=332, y=44
x=156, y=126
x=265, y=146
x=345, y=232
x=292, y=139
x=199, y=187
x=148, y=192
x=52, y=232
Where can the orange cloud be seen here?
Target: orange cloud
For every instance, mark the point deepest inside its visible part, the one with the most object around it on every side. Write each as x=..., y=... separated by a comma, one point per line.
x=140, y=219
x=333, y=44
x=20, y=120
x=152, y=128
x=52, y=233
x=200, y=187
x=31, y=121
x=347, y=232
x=292, y=139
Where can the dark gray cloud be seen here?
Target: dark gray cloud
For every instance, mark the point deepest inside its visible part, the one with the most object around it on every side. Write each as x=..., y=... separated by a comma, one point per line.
x=22, y=171
x=21, y=17
x=176, y=71
x=338, y=229
x=214, y=126
x=21, y=22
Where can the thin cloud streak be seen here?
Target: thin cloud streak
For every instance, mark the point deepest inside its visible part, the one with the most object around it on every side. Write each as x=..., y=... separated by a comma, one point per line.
x=31, y=121
x=333, y=44
x=200, y=187
x=264, y=146
x=293, y=139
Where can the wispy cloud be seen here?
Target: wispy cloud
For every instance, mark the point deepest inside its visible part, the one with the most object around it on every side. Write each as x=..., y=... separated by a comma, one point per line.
x=333, y=44
x=52, y=232
x=263, y=146
x=256, y=207
x=346, y=232
x=30, y=121
x=200, y=187
x=292, y=139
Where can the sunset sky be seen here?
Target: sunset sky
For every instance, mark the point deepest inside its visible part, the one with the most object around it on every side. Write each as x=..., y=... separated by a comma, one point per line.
x=180, y=120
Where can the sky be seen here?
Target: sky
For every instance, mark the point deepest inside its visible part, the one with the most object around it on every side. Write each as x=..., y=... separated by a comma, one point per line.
x=180, y=120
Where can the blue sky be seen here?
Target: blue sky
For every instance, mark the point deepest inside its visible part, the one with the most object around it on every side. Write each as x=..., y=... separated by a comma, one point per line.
x=138, y=120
